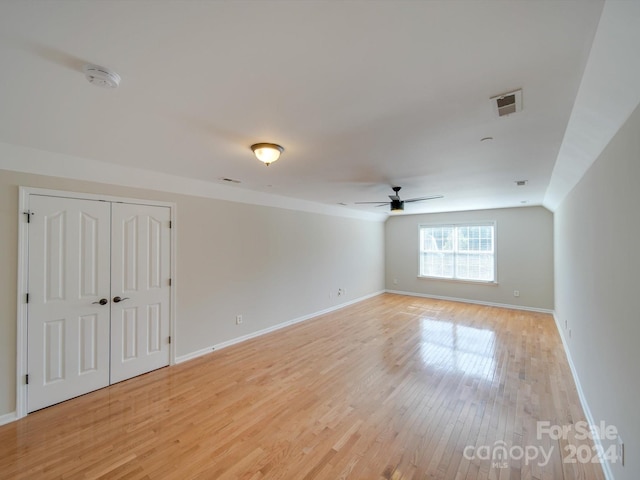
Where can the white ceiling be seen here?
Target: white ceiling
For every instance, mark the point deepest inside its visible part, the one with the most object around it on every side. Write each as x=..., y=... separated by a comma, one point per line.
x=361, y=94
x=607, y=96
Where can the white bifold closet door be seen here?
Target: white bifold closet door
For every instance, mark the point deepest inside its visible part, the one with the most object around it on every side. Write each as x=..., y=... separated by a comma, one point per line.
x=99, y=295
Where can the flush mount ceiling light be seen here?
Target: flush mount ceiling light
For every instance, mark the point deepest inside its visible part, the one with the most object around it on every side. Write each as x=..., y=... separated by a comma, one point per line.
x=267, y=152
x=101, y=76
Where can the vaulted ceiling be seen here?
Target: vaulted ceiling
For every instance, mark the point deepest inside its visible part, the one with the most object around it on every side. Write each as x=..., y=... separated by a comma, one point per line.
x=362, y=95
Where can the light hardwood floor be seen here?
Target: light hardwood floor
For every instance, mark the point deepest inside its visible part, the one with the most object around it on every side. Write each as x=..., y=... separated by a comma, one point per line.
x=393, y=387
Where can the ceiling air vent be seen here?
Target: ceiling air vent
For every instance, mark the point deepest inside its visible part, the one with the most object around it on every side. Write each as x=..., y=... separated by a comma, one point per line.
x=507, y=103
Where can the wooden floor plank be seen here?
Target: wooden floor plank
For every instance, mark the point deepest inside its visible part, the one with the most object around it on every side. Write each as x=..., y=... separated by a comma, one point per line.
x=392, y=388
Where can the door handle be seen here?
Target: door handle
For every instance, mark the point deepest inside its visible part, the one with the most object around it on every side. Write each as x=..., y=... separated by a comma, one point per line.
x=118, y=299
x=102, y=301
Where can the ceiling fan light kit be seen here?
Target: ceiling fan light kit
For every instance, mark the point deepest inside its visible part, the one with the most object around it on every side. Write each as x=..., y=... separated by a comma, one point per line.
x=267, y=153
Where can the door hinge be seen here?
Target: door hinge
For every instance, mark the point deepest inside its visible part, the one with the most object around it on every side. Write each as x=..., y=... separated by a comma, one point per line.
x=28, y=213
x=26, y=379
x=169, y=282
x=169, y=338
x=170, y=224
x=27, y=298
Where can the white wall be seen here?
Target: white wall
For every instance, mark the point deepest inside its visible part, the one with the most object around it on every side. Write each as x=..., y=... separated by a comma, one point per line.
x=269, y=264
x=597, y=265
x=524, y=244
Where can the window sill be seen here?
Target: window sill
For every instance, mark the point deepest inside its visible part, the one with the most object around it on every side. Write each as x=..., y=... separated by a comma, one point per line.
x=455, y=280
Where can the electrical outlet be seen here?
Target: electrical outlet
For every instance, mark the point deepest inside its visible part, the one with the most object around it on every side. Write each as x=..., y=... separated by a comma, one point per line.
x=620, y=451
x=238, y=319
x=339, y=292
x=516, y=293
x=569, y=333
x=395, y=281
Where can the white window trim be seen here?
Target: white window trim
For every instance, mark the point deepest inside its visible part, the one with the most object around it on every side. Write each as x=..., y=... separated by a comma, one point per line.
x=493, y=223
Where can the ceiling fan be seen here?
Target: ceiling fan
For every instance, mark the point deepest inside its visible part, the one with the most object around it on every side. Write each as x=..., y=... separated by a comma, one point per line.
x=398, y=205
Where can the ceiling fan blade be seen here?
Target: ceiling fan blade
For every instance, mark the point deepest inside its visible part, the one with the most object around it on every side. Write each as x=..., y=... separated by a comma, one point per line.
x=395, y=198
x=364, y=203
x=421, y=199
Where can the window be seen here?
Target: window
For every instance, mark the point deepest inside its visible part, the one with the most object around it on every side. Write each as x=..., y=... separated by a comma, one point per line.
x=461, y=252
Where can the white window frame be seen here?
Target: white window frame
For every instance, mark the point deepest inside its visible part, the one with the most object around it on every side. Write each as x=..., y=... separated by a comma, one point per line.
x=456, y=225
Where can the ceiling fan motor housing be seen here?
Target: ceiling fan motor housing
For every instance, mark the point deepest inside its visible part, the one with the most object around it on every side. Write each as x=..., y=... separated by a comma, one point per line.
x=397, y=205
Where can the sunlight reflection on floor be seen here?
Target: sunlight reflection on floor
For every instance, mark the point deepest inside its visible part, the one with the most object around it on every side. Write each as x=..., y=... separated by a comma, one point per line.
x=450, y=346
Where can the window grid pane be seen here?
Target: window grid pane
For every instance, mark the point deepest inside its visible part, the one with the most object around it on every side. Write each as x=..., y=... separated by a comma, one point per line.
x=464, y=252
x=437, y=265
x=437, y=239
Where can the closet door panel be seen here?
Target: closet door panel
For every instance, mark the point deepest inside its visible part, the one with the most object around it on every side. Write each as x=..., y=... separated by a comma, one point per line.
x=140, y=289
x=68, y=328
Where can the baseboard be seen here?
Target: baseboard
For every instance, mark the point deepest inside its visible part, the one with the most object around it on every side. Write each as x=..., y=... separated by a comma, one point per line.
x=8, y=418
x=243, y=338
x=192, y=355
x=478, y=302
x=606, y=468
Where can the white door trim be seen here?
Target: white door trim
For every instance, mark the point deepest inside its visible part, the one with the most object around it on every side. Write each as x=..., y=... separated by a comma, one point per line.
x=23, y=238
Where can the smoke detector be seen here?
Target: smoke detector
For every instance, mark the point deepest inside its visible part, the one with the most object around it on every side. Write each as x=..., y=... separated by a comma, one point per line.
x=507, y=103
x=101, y=76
